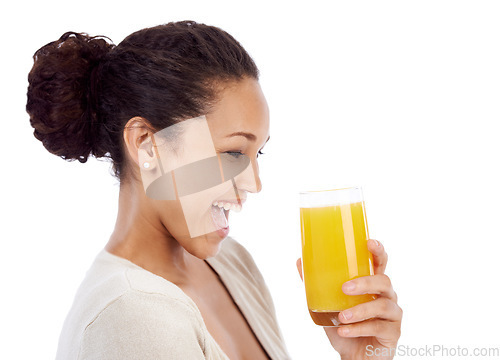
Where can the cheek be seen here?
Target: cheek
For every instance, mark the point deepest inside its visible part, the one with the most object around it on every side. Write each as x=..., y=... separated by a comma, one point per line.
x=191, y=215
x=198, y=211
x=202, y=201
x=172, y=217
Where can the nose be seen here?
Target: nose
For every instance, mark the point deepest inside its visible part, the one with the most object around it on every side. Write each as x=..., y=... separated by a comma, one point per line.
x=249, y=179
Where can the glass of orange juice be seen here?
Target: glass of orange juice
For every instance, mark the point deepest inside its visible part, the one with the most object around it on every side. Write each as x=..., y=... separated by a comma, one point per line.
x=334, y=250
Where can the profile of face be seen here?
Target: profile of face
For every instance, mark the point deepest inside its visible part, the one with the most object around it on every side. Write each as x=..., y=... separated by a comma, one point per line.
x=198, y=170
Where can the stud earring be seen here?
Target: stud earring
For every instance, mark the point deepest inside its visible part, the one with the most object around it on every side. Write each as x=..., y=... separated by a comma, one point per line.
x=146, y=165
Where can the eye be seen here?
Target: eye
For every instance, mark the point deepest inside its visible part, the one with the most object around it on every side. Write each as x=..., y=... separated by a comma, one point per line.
x=235, y=154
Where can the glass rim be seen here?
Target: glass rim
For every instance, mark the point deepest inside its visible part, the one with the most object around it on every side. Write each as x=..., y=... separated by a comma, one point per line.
x=330, y=190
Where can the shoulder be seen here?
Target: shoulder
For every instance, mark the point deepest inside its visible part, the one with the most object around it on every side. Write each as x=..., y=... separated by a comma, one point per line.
x=123, y=311
x=150, y=325
x=111, y=277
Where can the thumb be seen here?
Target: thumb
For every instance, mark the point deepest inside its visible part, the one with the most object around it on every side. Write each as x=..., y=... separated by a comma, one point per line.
x=299, y=267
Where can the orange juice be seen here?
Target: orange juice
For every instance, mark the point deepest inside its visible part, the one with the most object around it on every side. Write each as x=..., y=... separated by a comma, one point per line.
x=334, y=250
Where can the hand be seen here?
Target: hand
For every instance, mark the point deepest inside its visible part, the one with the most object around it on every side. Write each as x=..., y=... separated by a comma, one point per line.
x=372, y=328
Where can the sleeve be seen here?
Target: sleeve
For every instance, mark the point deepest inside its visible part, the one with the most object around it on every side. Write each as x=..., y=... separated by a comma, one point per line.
x=140, y=325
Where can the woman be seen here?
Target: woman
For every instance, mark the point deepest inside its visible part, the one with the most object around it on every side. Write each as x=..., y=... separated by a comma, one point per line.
x=179, y=111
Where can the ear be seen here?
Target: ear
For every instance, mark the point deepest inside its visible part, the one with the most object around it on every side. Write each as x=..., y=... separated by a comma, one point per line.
x=137, y=139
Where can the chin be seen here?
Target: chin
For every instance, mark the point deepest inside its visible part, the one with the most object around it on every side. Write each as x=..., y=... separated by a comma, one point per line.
x=206, y=246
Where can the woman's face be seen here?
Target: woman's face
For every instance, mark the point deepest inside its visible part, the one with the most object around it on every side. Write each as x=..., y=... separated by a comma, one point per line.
x=209, y=165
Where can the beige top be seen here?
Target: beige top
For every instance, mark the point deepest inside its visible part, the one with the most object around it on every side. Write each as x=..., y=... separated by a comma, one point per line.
x=122, y=311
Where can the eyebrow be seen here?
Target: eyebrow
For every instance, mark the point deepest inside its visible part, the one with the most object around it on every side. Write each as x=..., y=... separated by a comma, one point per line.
x=246, y=135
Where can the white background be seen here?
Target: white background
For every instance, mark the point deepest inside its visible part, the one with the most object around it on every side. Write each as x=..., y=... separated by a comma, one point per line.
x=399, y=97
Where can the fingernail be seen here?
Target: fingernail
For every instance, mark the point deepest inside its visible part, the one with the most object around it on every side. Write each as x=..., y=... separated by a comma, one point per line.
x=377, y=244
x=347, y=314
x=345, y=330
x=349, y=286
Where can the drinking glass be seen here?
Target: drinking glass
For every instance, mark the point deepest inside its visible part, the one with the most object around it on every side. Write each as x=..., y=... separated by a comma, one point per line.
x=334, y=250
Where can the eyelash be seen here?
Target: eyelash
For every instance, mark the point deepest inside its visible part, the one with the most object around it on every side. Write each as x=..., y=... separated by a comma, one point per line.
x=237, y=154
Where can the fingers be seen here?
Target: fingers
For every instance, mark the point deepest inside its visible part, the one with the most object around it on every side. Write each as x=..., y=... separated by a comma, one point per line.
x=299, y=267
x=382, y=308
x=379, y=256
x=375, y=284
x=386, y=332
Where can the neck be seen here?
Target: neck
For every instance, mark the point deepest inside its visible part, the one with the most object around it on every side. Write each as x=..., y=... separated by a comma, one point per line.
x=140, y=237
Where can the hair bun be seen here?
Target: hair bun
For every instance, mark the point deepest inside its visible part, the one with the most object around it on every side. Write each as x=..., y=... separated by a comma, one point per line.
x=62, y=95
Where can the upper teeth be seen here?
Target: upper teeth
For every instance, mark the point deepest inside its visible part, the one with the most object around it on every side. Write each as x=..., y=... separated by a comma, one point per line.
x=227, y=206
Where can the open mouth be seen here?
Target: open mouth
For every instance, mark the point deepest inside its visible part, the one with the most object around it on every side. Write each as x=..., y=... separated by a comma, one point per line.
x=220, y=212
x=226, y=205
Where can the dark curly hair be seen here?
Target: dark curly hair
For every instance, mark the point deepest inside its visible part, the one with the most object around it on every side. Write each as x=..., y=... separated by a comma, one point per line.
x=83, y=90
